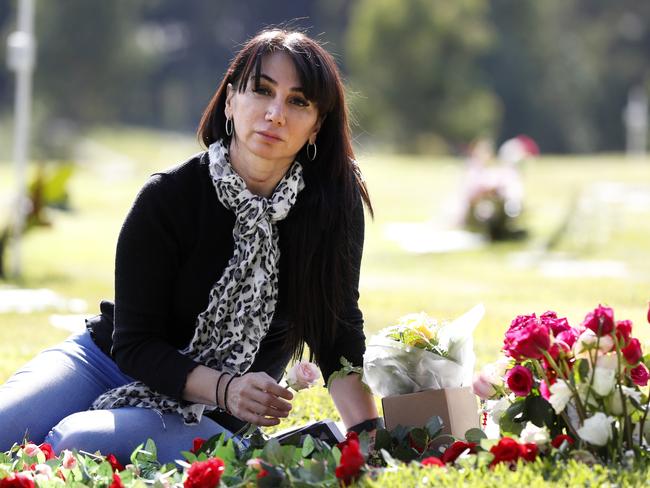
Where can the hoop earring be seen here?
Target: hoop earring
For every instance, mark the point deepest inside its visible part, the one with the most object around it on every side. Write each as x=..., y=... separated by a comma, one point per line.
x=309, y=144
x=229, y=127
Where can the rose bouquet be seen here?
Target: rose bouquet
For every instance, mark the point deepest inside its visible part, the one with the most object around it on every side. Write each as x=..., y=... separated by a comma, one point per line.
x=418, y=353
x=586, y=383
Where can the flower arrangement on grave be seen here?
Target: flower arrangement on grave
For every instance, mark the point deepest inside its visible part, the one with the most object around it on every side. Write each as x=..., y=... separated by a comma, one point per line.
x=582, y=385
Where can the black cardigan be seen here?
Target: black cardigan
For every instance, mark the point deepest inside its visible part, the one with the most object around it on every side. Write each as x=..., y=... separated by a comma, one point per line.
x=174, y=245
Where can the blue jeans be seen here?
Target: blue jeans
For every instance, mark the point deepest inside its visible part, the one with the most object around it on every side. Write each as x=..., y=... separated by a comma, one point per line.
x=47, y=400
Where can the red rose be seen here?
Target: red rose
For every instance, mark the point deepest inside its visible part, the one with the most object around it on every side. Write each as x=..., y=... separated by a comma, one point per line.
x=432, y=461
x=351, y=462
x=632, y=351
x=117, y=481
x=197, y=443
x=17, y=480
x=456, y=449
x=600, y=320
x=648, y=316
x=507, y=450
x=526, y=338
x=115, y=464
x=47, y=450
x=352, y=435
x=556, y=325
x=263, y=473
x=640, y=375
x=559, y=439
x=623, y=330
x=520, y=380
x=205, y=474
x=528, y=451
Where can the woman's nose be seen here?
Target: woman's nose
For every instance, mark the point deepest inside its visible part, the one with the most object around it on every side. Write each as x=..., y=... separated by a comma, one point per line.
x=275, y=113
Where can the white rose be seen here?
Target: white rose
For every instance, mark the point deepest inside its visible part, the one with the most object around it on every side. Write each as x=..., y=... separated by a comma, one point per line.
x=588, y=340
x=597, y=429
x=498, y=408
x=605, y=374
x=560, y=395
x=43, y=472
x=532, y=433
x=615, y=402
x=303, y=375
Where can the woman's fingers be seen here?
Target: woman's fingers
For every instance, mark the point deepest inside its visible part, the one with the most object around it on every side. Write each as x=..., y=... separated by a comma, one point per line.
x=257, y=398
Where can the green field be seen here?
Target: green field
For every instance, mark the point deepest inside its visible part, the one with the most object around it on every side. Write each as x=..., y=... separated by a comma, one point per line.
x=75, y=256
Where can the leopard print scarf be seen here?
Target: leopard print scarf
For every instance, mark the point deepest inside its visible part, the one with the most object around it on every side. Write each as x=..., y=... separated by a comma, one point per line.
x=241, y=304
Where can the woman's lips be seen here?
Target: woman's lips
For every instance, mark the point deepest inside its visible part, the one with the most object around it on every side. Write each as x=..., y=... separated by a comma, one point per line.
x=269, y=136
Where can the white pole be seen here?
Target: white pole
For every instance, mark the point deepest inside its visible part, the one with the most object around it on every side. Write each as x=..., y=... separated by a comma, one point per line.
x=20, y=58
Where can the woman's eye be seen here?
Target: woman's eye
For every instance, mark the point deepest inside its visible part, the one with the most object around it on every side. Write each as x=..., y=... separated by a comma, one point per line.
x=262, y=91
x=301, y=102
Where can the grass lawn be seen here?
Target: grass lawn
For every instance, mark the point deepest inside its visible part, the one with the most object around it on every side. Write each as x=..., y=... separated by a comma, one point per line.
x=75, y=256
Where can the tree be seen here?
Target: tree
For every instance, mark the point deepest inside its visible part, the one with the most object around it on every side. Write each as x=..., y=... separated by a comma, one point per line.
x=415, y=64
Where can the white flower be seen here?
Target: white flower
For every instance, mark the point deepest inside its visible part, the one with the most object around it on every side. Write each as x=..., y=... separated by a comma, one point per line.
x=597, y=429
x=615, y=402
x=605, y=374
x=483, y=387
x=498, y=408
x=588, y=340
x=532, y=433
x=560, y=395
x=303, y=375
x=495, y=372
x=43, y=472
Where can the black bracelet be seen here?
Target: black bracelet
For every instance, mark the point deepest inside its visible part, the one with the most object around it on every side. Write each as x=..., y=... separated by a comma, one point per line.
x=216, y=390
x=225, y=395
x=368, y=425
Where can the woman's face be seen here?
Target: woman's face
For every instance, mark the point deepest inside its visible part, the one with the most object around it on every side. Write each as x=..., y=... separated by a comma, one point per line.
x=274, y=120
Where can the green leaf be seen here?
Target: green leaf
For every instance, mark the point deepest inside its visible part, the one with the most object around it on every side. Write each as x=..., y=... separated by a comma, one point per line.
x=404, y=453
x=509, y=426
x=347, y=369
x=583, y=369
x=434, y=426
x=383, y=439
x=388, y=459
x=307, y=446
x=538, y=411
x=475, y=435
x=419, y=438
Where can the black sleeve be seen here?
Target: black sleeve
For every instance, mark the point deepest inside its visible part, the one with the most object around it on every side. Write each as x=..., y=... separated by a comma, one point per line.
x=146, y=267
x=350, y=341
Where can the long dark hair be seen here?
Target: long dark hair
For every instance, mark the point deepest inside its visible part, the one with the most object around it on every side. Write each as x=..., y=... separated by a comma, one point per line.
x=317, y=255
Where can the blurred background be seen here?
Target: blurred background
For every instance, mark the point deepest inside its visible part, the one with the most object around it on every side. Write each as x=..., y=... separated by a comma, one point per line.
x=503, y=141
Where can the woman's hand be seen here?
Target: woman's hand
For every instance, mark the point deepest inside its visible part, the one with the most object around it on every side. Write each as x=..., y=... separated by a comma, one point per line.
x=257, y=398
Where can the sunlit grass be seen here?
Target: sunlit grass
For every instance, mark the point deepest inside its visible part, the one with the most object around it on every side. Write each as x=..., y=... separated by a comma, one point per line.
x=75, y=256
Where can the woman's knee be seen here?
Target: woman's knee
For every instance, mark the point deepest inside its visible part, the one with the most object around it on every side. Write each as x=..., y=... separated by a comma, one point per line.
x=81, y=431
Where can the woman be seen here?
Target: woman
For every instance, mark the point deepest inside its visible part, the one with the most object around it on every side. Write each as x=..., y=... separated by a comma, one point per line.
x=226, y=266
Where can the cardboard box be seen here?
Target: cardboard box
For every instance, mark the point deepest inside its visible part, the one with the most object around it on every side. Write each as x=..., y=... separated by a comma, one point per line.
x=458, y=408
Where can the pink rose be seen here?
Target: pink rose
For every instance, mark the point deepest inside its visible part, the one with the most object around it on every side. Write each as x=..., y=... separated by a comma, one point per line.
x=648, y=316
x=556, y=325
x=640, y=375
x=568, y=336
x=544, y=391
x=600, y=320
x=69, y=461
x=482, y=387
x=520, y=380
x=632, y=351
x=303, y=375
x=32, y=450
x=526, y=338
